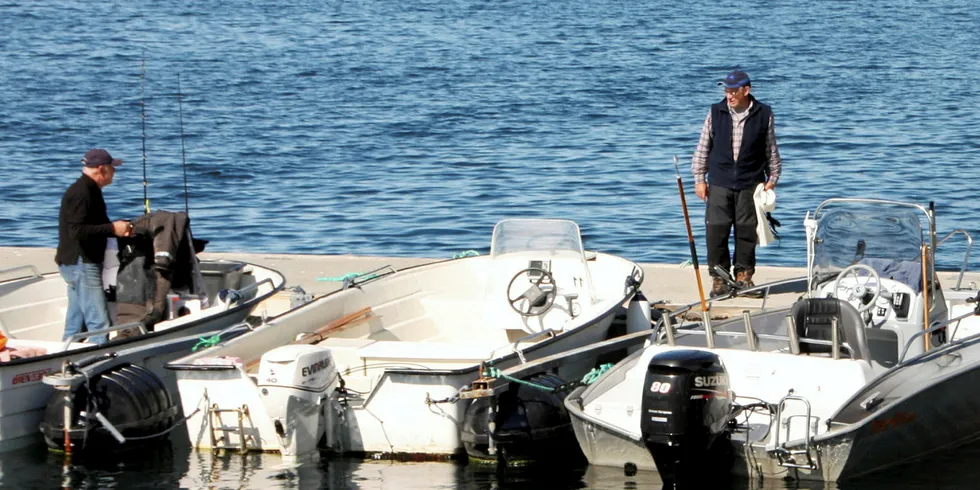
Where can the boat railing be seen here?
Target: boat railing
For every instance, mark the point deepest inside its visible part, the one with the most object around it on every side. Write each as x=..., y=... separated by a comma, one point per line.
x=549, y=333
x=752, y=337
x=34, y=272
x=368, y=276
x=795, y=285
x=966, y=258
x=256, y=286
x=786, y=457
x=104, y=331
x=941, y=326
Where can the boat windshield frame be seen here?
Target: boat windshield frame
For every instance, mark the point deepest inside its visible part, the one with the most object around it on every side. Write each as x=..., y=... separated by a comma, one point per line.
x=535, y=235
x=892, y=227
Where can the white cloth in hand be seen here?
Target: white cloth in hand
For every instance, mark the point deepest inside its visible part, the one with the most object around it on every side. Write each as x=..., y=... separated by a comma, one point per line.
x=765, y=202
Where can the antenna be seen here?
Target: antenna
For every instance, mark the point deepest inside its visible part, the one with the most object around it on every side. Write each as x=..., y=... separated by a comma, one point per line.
x=183, y=153
x=146, y=199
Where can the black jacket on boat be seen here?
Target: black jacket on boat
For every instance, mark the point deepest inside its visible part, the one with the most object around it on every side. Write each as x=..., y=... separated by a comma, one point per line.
x=158, y=259
x=752, y=165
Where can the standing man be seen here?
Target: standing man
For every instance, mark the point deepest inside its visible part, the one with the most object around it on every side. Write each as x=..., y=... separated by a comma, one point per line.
x=736, y=152
x=83, y=227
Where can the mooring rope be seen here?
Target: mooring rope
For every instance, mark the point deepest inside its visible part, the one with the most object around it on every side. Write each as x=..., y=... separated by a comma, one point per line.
x=589, y=378
x=345, y=277
x=206, y=342
x=354, y=275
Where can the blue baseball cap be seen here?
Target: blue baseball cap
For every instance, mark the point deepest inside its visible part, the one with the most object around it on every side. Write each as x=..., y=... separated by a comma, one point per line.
x=98, y=157
x=736, y=79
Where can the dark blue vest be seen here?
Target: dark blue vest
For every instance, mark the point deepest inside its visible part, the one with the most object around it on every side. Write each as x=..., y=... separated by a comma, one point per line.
x=752, y=165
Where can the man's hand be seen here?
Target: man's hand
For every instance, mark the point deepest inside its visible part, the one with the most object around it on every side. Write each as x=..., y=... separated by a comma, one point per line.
x=701, y=190
x=770, y=186
x=122, y=228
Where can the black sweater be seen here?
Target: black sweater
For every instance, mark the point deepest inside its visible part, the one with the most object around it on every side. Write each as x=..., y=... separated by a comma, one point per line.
x=83, y=224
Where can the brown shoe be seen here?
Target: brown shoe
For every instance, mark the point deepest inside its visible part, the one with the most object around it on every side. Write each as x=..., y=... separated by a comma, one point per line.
x=719, y=287
x=744, y=279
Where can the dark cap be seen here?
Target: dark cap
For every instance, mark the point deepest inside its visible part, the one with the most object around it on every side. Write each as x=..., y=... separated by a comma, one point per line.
x=736, y=79
x=98, y=157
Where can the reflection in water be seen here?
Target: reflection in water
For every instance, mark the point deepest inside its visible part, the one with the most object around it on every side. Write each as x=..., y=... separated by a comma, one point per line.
x=176, y=466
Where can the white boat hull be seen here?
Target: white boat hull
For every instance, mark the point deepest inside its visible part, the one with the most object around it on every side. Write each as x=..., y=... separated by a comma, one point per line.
x=405, y=343
x=389, y=420
x=23, y=395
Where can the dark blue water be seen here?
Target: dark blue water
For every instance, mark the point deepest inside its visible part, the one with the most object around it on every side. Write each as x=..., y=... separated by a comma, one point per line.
x=409, y=128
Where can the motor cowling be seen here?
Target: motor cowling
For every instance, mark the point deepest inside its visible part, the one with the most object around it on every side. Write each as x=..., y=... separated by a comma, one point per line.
x=294, y=381
x=130, y=398
x=306, y=367
x=686, y=408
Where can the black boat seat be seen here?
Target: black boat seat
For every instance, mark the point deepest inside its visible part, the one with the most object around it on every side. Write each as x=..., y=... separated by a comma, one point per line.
x=813, y=317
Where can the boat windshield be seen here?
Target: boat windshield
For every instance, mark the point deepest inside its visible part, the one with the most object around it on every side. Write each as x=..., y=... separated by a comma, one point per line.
x=523, y=235
x=871, y=235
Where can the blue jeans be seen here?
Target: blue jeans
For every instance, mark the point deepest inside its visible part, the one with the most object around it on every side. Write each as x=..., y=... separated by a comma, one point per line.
x=87, y=305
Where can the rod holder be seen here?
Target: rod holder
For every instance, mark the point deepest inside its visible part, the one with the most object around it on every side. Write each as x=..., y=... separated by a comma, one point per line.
x=834, y=339
x=669, y=329
x=750, y=332
x=709, y=333
x=794, y=337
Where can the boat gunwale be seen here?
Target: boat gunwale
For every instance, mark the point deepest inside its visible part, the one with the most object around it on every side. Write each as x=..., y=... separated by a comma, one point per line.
x=118, y=343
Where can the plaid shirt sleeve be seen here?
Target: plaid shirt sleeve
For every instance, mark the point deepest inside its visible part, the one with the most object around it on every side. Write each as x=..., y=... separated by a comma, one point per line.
x=772, y=152
x=699, y=162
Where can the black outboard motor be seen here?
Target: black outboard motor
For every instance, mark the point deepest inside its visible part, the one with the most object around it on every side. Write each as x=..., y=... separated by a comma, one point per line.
x=123, y=400
x=530, y=426
x=686, y=406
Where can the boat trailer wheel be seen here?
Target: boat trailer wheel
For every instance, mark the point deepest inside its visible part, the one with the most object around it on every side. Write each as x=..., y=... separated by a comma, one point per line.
x=859, y=291
x=538, y=298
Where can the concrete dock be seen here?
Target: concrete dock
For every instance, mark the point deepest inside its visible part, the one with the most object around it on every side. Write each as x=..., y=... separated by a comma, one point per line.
x=670, y=284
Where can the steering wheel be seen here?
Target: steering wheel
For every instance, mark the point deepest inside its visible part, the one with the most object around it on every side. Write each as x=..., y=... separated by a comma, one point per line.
x=538, y=298
x=857, y=293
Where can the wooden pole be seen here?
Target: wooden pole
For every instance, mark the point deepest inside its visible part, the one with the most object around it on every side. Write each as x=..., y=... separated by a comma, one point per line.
x=690, y=236
x=925, y=296
x=322, y=332
x=335, y=326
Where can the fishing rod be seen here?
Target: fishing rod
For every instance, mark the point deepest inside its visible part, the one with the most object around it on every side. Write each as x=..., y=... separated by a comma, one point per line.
x=183, y=153
x=146, y=199
x=690, y=236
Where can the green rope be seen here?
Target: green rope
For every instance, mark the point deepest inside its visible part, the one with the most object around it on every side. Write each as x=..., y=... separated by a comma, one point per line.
x=495, y=373
x=207, y=342
x=686, y=263
x=468, y=253
x=589, y=378
x=345, y=277
x=593, y=375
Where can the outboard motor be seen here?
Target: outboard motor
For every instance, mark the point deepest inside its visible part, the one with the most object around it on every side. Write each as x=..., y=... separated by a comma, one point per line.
x=686, y=406
x=525, y=425
x=111, y=409
x=295, y=380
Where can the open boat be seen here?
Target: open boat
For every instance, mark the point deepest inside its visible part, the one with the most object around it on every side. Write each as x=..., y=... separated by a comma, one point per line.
x=376, y=367
x=32, y=318
x=874, y=366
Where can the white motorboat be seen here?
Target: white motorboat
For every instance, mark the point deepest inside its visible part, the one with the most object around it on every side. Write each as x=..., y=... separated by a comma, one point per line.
x=377, y=366
x=32, y=318
x=874, y=366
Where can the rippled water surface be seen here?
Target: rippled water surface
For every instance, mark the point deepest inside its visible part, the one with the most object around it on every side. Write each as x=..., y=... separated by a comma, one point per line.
x=410, y=127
